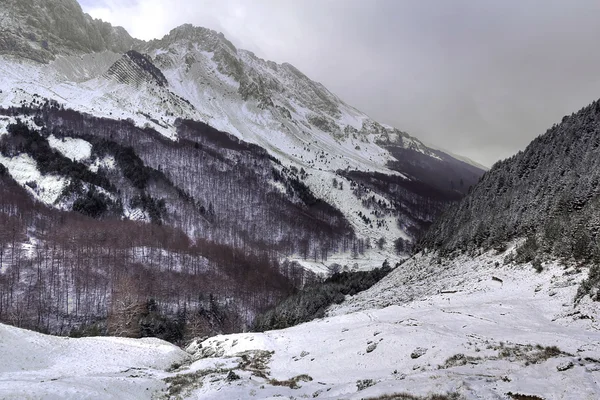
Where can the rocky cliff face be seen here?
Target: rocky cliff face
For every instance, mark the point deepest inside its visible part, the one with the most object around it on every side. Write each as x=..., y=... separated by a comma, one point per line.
x=136, y=69
x=290, y=99
x=40, y=30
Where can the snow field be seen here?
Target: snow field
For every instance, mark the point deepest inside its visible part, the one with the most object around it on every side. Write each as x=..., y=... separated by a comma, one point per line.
x=74, y=149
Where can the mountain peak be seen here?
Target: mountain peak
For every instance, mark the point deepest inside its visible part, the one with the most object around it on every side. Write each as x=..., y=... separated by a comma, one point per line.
x=208, y=39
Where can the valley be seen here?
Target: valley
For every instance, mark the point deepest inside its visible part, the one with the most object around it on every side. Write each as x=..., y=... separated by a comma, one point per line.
x=183, y=219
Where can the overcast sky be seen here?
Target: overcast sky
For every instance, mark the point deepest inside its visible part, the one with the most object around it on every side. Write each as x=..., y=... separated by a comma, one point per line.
x=478, y=78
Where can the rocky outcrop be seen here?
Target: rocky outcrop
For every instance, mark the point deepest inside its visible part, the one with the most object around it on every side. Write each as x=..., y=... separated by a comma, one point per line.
x=135, y=68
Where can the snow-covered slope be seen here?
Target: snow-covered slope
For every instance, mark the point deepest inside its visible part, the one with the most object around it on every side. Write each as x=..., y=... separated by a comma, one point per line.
x=155, y=106
x=470, y=326
x=46, y=188
x=273, y=105
x=474, y=328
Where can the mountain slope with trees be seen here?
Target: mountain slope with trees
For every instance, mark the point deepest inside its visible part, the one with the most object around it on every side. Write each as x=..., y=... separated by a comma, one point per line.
x=250, y=172
x=197, y=74
x=548, y=193
x=550, y=190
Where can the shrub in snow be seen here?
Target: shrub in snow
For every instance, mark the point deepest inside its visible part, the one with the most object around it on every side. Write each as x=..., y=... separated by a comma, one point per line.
x=591, y=285
x=537, y=265
x=232, y=376
x=364, y=383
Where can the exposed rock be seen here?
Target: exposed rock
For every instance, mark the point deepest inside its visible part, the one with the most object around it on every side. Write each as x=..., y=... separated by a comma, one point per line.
x=40, y=30
x=135, y=68
x=371, y=347
x=565, y=366
x=418, y=352
x=364, y=383
x=232, y=376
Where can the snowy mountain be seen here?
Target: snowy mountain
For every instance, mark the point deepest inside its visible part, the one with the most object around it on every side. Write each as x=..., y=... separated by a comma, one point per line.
x=197, y=74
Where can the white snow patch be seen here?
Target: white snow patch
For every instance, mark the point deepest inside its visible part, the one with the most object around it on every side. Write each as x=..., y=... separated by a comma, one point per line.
x=40, y=366
x=23, y=169
x=75, y=149
x=278, y=186
x=4, y=122
x=107, y=162
x=135, y=214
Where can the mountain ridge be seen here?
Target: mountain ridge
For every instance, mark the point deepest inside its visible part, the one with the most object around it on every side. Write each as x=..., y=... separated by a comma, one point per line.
x=93, y=35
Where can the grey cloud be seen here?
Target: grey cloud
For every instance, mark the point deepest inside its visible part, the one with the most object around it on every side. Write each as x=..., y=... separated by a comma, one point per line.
x=479, y=78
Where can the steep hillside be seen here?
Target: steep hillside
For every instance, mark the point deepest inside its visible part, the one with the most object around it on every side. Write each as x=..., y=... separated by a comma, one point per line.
x=62, y=272
x=226, y=214
x=548, y=192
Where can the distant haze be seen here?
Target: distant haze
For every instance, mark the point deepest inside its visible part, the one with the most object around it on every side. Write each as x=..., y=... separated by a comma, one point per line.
x=478, y=78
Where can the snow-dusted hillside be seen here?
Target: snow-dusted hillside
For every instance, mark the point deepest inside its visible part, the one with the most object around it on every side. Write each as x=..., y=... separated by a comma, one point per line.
x=296, y=144
x=273, y=105
x=470, y=326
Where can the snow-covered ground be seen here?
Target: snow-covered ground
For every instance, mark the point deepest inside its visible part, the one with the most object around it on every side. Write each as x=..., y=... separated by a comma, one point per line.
x=36, y=366
x=371, y=259
x=469, y=325
x=74, y=149
x=465, y=326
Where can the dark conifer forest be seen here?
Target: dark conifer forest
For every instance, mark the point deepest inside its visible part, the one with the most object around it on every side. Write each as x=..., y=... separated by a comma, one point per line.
x=547, y=193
